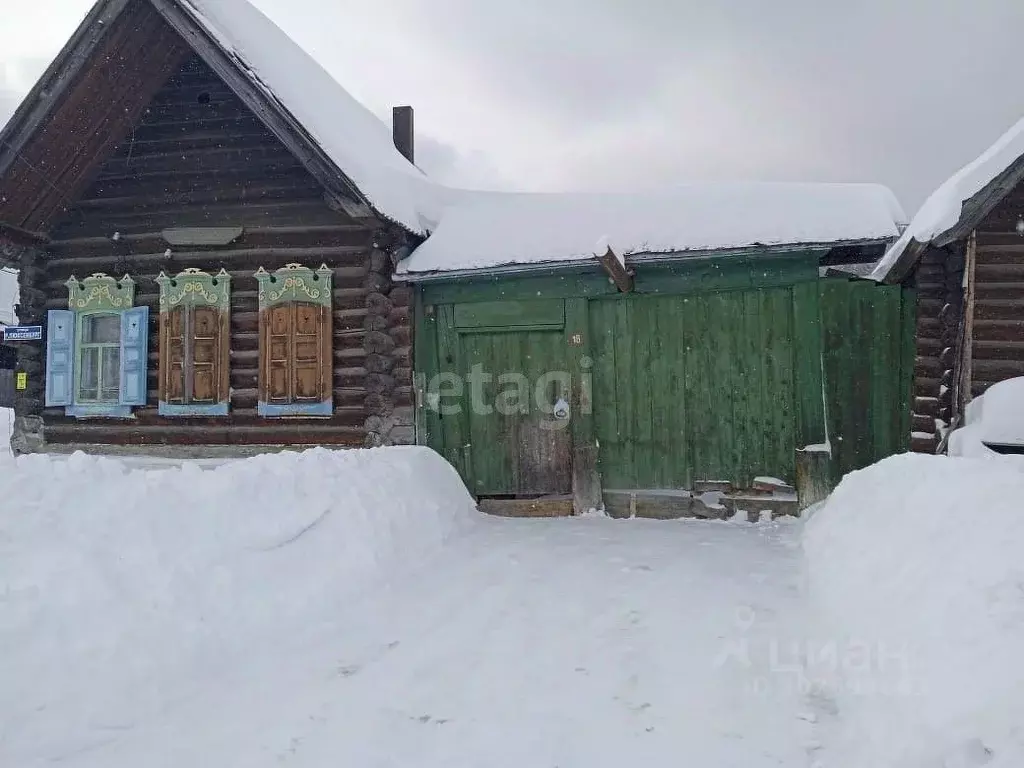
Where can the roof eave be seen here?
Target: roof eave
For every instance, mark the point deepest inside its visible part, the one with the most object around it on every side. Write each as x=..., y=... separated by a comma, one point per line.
x=635, y=259
x=973, y=212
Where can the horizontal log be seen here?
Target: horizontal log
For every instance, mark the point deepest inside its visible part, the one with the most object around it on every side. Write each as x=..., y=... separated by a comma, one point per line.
x=999, y=330
x=928, y=367
x=921, y=444
x=998, y=309
x=1010, y=290
x=280, y=213
x=926, y=386
x=350, y=259
x=402, y=335
x=285, y=432
x=997, y=370
x=402, y=397
x=287, y=187
x=1006, y=252
x=288, y=237
x=999, y=273
x=926, y=406
x=923, y=423
x=998, y=350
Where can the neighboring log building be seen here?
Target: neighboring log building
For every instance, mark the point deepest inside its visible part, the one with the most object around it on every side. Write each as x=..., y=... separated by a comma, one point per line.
x=964, y=251
x=207, y=224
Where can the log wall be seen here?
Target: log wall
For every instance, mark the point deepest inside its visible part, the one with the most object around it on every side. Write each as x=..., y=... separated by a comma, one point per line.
x=998, y=348
x=939, y=310
x=200, y=158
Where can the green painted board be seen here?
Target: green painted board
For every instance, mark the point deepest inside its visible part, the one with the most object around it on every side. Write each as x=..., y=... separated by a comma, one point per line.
x=510, y=314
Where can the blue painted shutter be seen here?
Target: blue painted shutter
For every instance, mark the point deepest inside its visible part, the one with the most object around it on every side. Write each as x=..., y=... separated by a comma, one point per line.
x=134, y=351
x=60, y=357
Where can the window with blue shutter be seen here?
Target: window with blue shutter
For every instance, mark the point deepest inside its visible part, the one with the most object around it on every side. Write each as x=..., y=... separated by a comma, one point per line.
x=96, y=351
x=60, y=357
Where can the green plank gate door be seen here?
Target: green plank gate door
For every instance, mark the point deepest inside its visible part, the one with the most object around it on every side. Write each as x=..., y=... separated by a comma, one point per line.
x=511, y=358
x=698, y=387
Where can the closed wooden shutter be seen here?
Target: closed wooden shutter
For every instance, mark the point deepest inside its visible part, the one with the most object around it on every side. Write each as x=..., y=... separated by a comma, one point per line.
x=172, y=357
x=295, y=354
x=194, y=356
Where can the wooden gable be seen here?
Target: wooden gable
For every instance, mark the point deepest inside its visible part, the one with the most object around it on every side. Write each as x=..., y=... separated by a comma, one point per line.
x=62, y=148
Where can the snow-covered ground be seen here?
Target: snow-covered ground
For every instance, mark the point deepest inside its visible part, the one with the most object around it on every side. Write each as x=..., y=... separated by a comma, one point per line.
x=916, y=579
x=354, y=609
x=302, y=609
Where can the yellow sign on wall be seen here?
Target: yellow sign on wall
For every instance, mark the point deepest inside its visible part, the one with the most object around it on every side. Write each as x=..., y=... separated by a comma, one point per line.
x=21, y=381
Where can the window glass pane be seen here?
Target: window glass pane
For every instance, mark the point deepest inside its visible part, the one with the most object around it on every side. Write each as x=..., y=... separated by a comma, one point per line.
x=102, y=329
x=111, y=374
x=90, y=374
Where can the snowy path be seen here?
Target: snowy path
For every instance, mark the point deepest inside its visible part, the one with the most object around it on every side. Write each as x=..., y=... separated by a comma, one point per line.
x=524, y=643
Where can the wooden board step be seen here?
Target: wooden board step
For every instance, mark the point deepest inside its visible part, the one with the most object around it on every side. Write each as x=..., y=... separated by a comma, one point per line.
x=545, y=506
x=656, y=504
x=779, y=505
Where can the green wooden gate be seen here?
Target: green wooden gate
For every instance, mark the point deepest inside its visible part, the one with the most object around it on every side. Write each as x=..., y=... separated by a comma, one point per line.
x=709, y=371
x=693, y=388
x=507, y=369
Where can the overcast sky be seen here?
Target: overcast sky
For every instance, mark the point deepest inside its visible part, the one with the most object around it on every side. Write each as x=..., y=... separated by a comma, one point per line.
x=608, y=94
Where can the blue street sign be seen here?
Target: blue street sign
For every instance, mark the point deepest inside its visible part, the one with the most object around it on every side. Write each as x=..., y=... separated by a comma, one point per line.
x=22, y=333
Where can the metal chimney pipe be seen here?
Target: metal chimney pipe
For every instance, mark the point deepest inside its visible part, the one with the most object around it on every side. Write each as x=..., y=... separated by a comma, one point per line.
x=402, y=125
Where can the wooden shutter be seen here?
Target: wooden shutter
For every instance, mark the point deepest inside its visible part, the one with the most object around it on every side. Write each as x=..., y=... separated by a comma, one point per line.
x=295, y=352
x=209, y=356
x=194, y=356
x=134, y=356
x=60, y=356
x=172, y=356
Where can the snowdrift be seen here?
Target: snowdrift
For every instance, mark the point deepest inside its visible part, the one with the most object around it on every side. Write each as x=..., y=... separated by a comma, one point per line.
x=120, y=585
x=995, y=418
x=916, y=571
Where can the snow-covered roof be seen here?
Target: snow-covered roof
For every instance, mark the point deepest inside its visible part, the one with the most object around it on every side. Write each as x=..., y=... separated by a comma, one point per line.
x=488, y=230
x=356, y=141
x=942, y=211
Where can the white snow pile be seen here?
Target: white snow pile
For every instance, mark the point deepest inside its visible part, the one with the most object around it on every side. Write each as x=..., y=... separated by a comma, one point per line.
x=480, y=230
x=994, y=418
x=124, y=591
x=941, y=211
x=915, y=570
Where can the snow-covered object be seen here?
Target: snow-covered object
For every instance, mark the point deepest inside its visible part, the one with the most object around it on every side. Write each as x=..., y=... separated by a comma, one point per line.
x=485, y=230
x=941, y=211
x=916, y=577
x=358, y=143
x=994, y=418
x=116, y=582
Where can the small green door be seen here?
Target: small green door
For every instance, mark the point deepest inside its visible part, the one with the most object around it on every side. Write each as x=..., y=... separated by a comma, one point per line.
x=511, y=359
